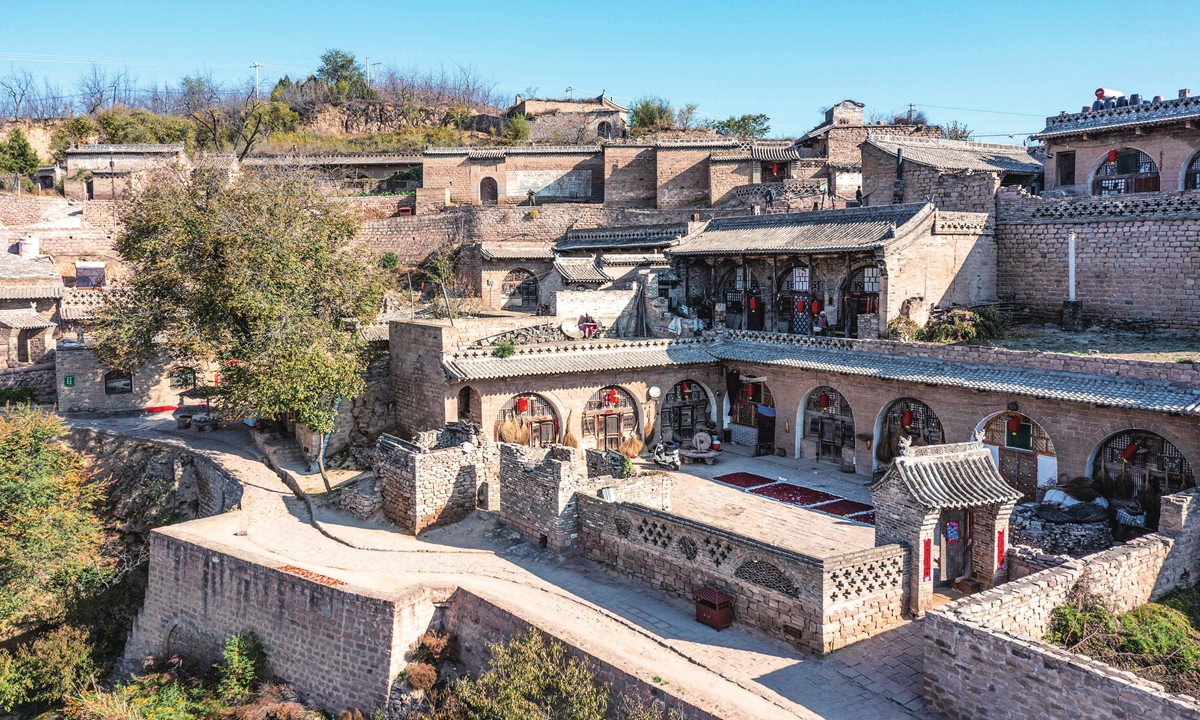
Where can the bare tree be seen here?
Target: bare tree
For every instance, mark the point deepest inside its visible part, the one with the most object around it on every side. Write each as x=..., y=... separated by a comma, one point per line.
x=16, y=88
x=200, y=100
x=51, y=102
x=245, y=117
x=93, y=86
x=685, y=118
x=438, y=87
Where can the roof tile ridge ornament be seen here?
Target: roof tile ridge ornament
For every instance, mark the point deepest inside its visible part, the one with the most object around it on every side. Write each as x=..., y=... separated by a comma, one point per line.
x=905, y=444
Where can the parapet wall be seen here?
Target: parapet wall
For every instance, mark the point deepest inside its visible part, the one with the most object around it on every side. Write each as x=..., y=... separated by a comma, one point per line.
x=984, y=654
x=814, y=604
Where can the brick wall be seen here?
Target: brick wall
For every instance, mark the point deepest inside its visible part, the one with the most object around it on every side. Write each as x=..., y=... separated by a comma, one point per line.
x=979, y=650
x=630, y=176
x=723, y=177
x=375, y=207
x=682, y=177
x=943, y=265
x=151, y=383
x=17, y=211
x=607, y=306
x=1137, y=257
x=814, y=604
x=1172, y=148
x=424, y=487
x=337, y=645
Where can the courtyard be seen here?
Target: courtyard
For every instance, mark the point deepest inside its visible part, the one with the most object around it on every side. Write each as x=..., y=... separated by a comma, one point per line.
x=735, y=673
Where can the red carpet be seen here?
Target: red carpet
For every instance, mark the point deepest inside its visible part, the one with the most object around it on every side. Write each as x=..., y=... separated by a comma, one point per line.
x=867, y=518
x=743, y=480
x=844, y=508
x=794, y=494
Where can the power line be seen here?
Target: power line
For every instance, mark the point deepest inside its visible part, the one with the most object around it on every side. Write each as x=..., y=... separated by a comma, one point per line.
x=990, y=112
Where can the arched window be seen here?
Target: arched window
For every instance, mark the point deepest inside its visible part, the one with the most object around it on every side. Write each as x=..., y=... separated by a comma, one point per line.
x=861, y=298
x=738, y=298
x=907, y=418
x=800, y=300
x=526, y=419
x=1191, y=181
x=519, y=291
x=489, y=191
x=1126, y=171
x=118, y=382
x=1023, y=450
x=609, y=417
x=829, y=423
x=686, y=410
x=1143, y=466
x=604, y=130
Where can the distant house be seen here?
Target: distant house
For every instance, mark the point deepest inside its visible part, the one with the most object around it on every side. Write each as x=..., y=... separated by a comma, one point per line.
x=572, y=121
x=30, y=287
x=96, y=172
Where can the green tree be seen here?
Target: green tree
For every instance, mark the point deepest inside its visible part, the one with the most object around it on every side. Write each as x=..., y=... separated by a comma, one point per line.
x=745, y=126
x=517, y=128
x=74, y=130
x=253, y=274
x=341, y=72
x=17, y=155
x=121, y=125
x=956, y=131
x=651, y=113
x=49, y=538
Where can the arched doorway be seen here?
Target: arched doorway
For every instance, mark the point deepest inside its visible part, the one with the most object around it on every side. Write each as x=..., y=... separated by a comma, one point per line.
x=604, y=130
x=906, y=418
x=828, y=426
x=1124, y=171
x=489, y=191
x=861, y=297
x=800, y=301
x=739, y=299
x=686, y=410
x=1191, y=177
x=609, y=417
x=470, y=405
x=1022, y=450
x=527, y=419
x=519, y=291
x=752, y=414
x=1143, y=466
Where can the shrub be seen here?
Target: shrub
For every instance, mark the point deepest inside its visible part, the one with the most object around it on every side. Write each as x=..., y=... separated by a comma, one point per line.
x=651, y=113
x=504, y=349
x=421, y=676
x=16, y=395
x=458, y=116
x=517, y=128
x=47, y=670
x=242, y=661
x=389, y=261
x=961, y=326
x=902, y=327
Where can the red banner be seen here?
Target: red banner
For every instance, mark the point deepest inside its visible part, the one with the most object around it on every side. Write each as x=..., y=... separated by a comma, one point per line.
x=1000, y=548
x=927, y=561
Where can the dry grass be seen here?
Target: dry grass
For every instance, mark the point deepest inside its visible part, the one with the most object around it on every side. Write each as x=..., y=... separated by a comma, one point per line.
x=421, y=676
x=510, y=430
x=273, y=702
x=631, y=446
x=569, y=438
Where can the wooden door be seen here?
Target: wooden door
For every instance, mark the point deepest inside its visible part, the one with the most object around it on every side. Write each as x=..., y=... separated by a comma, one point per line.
x=1019, y=469
x=766, y=435
x=612, y=432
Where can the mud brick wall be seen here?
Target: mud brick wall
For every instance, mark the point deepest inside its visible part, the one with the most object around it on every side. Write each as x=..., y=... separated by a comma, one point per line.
x=725, y=176
x=609, y=306
x=17, y=211
x=429, y=488
x=477, y=622
x=682, y=177
x=375, y=207
x=1137, y=257
x=630, y=176
x=337, y=645
x=815, y=605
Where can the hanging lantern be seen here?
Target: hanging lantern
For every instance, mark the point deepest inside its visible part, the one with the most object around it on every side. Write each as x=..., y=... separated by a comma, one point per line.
x=1130, y=452
x=816, y=307
x=774, y=169
x=1014, y=424
x=750, y=392
x=824, y=400
x=753, y=304
x=1112, y=156
x=522, y=405
x=800, y=304
x=613, y=397
x=906, y=418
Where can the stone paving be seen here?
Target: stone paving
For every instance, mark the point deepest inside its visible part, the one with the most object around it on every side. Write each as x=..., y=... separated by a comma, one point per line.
x=735, y=673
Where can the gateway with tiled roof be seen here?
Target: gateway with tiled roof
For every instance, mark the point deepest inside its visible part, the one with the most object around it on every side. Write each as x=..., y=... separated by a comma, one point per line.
x=961, y=155
x=580, y=270
x=506, y=251
x=960, y=475
x=858, y=229
x=628, y=236
x=590, y=356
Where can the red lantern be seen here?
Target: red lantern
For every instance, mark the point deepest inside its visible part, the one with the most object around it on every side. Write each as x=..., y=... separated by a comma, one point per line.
x=1014, y=424
x=750, y=392
x=1130, y=452
x=1112, y=156
x=800, y=304
x=824, y=399
x=906, y=418
x=816, y=307
x=522, y=405
x=774, y=169
x=753, y=304
x=613, y=397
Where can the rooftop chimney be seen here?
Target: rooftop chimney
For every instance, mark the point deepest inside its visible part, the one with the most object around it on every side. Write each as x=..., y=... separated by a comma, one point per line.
x=1185, y=93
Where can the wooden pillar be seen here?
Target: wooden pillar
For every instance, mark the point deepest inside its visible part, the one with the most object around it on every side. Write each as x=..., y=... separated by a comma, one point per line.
x=745, y=295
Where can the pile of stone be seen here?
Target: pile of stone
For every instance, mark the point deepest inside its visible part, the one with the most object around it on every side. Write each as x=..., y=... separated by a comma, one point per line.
x=1077, y=530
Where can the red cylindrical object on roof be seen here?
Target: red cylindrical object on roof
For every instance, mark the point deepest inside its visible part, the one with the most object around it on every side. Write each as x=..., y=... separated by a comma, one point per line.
x=1112, y=156
x=1130, y=452
x=1014, y=424
x=522, y=405
x=824, y=400
x=906, y=419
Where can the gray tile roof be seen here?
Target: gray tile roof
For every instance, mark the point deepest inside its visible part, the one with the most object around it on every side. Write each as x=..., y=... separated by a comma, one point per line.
x=516, y=252
x=1146, y=114
x=493, y=152
x=628, y=259
x=961, y=155
x=132, y=148
x=364, y=159
x=580, y=270
x=775, y=153
x=823, y=231
x=583, y=356
x=1070, y=387
x=23, y=320
x=960, y=475
x=30, y=292
x=37, y=267
x=374, y=333
x=626, y=236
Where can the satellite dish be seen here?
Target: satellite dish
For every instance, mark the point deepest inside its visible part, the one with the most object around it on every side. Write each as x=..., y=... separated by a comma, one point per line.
x=572, y=330
x=655, y=391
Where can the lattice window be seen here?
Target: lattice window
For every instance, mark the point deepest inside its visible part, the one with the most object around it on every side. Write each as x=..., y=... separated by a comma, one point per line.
x=833, y=424
x=624, y=527
x=837, y=404
x=718, y=550
x=1029, y=436
x=745, y=410
x=796, y=280
x=766, y=575
x=872, y=577
x=1131, y=171
x=655, y=533
x=1192, y=179
x=183, y=377
x=1155, y=459
x=865, y=280
x=688, y=547
x=922, y=421
x=535, y=415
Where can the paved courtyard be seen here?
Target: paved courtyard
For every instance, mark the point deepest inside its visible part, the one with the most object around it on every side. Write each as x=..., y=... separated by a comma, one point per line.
x=736, y=673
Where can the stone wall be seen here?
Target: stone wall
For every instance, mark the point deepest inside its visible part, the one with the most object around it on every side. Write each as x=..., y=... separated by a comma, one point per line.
x=1073, y=539
x=39, y=377
x=438, y=484
x=538, y=488
x=984, y=654
x=1137, y=256
x=965, y=190
x=630, y=176
x=374, y=207
x=682, y=176
x=814, y=604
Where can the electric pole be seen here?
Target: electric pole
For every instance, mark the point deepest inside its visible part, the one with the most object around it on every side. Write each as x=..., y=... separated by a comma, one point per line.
x=256, y=65
x=910, y=113
x=367, y=63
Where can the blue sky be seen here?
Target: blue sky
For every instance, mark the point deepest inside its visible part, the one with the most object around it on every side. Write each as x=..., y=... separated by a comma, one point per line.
x=1020, y=61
